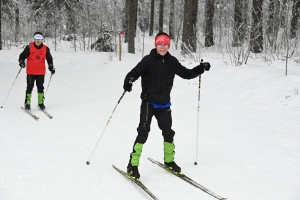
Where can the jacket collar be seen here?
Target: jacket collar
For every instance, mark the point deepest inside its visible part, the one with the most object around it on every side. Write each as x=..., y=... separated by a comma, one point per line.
x=154, y=53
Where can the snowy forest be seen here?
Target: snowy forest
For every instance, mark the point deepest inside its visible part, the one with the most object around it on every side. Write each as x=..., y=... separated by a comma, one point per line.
x=266, y=28
x=243, y=135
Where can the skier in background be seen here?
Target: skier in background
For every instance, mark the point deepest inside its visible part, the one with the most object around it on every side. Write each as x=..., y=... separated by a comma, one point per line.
x=157, y=71
x=36, y=53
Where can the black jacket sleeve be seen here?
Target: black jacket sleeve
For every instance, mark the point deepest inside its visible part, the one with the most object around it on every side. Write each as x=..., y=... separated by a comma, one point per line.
x=185, y=73
x=25, y=53
x=139, y=69
x=49, y=57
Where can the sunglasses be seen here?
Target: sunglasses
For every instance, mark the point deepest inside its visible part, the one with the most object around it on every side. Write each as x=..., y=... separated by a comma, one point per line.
x=38, y=40
x=163, y=45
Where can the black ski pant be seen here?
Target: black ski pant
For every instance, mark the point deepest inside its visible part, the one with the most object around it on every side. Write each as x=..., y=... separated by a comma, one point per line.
x=164, y=120
x=39, y=79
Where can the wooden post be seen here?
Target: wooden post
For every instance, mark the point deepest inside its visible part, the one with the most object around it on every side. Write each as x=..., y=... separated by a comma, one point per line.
x=120, y=43
x=286, y=64
x=120, y=47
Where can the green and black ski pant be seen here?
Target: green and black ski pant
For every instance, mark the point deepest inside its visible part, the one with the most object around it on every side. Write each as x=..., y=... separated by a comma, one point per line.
x=164, y=120
x=39, y=79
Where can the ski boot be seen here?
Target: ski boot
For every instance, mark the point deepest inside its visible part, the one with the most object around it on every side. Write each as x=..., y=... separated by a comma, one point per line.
x=133, y=172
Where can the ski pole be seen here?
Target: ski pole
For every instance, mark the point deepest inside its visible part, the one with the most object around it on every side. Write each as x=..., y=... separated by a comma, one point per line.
x=88, y=162
x=199, y=87
x=11, y=87
x=48, y=85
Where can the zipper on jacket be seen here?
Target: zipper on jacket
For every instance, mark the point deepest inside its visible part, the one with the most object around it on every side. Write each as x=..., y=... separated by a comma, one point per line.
x=161, y=81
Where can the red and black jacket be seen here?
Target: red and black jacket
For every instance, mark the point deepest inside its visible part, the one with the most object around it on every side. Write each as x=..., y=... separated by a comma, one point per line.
x=36, y=56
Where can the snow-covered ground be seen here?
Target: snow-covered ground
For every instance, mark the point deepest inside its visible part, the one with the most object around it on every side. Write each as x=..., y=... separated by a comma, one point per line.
x=248, y=147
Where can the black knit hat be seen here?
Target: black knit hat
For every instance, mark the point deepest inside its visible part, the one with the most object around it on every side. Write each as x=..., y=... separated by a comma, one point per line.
x=38, y=32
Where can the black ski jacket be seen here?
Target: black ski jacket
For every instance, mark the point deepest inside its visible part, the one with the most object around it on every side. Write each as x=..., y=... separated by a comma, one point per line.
x=158, y=74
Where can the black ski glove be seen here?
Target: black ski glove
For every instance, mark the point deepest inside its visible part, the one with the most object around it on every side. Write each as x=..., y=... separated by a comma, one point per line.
x=199, y=69
x=51, y=69
x=128, y=84
x=206, y=65
x=22, y=63
x=203, y=66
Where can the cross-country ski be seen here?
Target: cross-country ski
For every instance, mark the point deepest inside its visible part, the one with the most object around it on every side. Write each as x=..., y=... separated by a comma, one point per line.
x=187, y=179
x=137, y=182
x=30, y=113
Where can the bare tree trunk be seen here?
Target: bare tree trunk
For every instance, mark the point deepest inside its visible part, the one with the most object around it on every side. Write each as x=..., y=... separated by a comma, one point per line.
x=161, y=16
x=294, y=20
x=17, y=25
x=0, y=24
x=135, y=18
x=55, y=9
x=186, y=26
x=70, y=22
x=256, y=42
x=171, y=20
x=193, y=38
x=126, y=19
x=189, y=41
x=178, y=22
x=271, y=23
x=151, y=18
x=238, y=24
x=283, y=13
x=271, y=31
x=276, y=22
x=246, y=19
x=209, y=31
x=131, y=26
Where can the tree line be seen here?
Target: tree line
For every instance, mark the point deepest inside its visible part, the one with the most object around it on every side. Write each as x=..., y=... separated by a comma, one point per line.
x=236, y=27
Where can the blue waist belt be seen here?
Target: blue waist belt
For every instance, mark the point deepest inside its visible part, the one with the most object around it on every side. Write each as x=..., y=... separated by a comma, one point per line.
x=156, y=105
